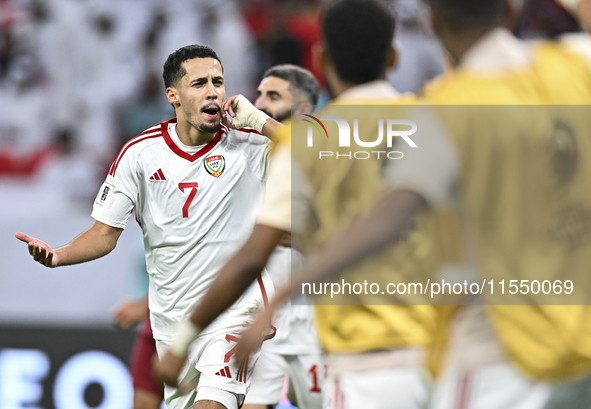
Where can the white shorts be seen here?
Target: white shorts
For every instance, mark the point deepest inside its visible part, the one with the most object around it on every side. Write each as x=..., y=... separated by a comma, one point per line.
x=500, y=386
x=390, y=388
x=212, y=368
x=306, y=372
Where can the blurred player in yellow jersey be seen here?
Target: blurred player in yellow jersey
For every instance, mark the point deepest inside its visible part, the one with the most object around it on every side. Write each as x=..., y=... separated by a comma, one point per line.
x=523, y=192
x=375, y=353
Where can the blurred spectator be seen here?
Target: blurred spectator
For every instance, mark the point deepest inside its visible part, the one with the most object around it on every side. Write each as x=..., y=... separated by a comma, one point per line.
x=420, y=57
x=58, y=174
x=219, y=25
x=151, y=107
x=285, y=32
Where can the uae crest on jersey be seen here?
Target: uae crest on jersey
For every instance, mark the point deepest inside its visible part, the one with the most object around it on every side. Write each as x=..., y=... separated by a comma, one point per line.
x=215, y=165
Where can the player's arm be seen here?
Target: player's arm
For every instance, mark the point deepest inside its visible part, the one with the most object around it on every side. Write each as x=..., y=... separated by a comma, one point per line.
x=244, y=114
x=367, y=235
x=94, y=243
x=233, y=279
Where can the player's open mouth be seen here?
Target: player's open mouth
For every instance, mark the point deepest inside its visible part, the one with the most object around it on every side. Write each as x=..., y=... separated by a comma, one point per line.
x=212, y=112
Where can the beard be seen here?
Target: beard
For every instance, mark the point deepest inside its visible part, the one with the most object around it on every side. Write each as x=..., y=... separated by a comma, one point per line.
x=210, y=128
x=281, y=116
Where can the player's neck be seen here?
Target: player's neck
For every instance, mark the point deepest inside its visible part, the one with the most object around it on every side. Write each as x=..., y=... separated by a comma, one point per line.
x=337, y=86
x=341, y=86
x=191, y=136
x=458, y=45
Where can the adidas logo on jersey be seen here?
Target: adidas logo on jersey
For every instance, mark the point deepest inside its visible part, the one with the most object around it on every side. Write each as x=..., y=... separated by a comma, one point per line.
x=158, y=175
x=224, y=372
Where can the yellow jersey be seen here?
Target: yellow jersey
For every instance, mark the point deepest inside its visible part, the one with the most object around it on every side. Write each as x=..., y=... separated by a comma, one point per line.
x=531, y=216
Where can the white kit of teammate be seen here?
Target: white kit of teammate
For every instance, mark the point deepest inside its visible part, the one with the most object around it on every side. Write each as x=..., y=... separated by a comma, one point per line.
x=194, y=205
x=288, y=91
x=294, y=350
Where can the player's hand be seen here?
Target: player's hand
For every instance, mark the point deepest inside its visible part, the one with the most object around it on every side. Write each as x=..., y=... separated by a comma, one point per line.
x=168, y=370
x=40, y=251
x=252, y=337
x=243, y=114
x=130, y=313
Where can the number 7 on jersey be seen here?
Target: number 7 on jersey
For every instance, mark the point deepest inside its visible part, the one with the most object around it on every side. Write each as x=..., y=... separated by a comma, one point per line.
x=188, y=185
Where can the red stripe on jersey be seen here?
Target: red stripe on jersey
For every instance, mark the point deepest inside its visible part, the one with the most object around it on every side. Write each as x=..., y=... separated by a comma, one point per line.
x=150, y=130
x=249, y=130
x=137, y=139
x=182, y=153
x=161, y=174
x=266, y=303
x=263, y=291
x=463, y=392
x=157, y=176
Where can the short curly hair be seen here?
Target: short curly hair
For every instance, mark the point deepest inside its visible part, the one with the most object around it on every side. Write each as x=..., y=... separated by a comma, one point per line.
x=173, y=67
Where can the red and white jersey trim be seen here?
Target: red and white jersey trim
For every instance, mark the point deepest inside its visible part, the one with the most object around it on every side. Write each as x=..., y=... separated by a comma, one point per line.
x=161, y=129
x=153, y=132
x=191, y=157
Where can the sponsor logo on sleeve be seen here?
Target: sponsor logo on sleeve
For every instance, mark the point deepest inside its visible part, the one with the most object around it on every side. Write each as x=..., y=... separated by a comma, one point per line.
x=104, y=193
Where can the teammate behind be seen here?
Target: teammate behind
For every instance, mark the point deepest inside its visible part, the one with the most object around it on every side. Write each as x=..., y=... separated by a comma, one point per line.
x=294, y=351
x=193, y=183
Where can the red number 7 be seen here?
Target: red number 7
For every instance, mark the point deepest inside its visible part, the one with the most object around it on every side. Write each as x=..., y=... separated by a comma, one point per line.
x=193, y=187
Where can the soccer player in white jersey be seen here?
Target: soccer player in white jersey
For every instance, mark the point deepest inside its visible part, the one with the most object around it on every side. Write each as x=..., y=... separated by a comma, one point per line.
x=193, y=183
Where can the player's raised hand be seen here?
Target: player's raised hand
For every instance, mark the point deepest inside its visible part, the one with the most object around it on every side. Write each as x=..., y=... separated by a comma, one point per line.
x=244, y=114
x=40, y=250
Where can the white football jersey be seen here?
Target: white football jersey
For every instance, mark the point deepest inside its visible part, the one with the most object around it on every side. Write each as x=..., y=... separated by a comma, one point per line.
x=195, y=206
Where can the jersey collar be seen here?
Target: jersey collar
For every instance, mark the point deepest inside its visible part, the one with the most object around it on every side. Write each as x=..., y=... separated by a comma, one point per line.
x=190, y=157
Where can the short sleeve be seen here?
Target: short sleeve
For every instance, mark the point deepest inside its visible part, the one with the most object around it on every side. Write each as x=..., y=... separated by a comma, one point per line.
x=275, y=210
x=284, y=202
x=117, y=196
x=432, y=168
x=255, y=147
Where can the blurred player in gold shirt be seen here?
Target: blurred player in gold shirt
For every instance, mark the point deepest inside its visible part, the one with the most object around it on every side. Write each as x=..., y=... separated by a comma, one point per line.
x=522, y=177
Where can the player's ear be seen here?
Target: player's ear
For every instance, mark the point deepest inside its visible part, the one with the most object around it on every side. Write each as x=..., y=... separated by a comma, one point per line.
x=172, y=96
x=305, y=108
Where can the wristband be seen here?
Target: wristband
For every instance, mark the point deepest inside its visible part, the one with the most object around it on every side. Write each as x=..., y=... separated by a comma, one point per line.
x=248, y=115
x=186, y=332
